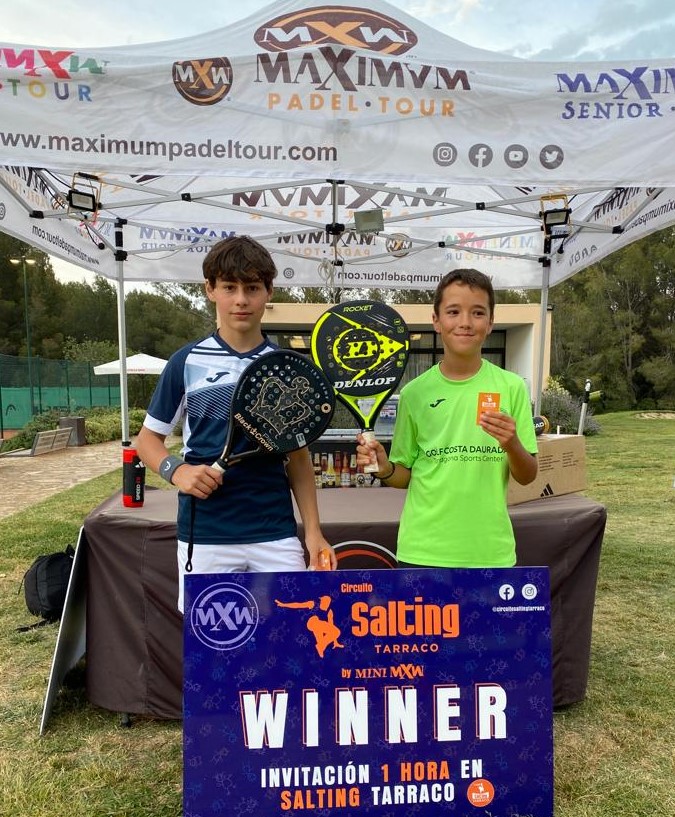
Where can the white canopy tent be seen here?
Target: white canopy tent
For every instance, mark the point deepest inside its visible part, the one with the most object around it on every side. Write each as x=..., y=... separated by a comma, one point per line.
x=291, y=124
x=135, y=364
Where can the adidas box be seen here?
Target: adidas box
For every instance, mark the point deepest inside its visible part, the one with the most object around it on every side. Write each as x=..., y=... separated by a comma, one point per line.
x=562, y=469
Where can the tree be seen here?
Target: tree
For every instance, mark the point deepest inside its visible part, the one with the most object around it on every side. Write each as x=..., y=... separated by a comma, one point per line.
x=301, y=295
x=613, y=323
x=158, y=326
x=90, y=312
x=38, y=282
x=90, y=351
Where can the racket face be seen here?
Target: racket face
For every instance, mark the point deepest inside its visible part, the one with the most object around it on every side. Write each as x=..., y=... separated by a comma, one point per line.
x=362, y=348
x=282, y=402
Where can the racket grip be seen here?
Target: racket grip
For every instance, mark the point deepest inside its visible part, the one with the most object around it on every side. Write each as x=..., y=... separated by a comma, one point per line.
x=372, y=467
x=219, y=465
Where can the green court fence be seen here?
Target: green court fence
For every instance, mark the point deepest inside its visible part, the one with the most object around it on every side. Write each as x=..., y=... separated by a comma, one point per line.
x=31, y=386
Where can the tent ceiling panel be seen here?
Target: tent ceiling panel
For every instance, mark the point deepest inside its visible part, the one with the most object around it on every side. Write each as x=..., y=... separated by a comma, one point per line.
x=170, y=223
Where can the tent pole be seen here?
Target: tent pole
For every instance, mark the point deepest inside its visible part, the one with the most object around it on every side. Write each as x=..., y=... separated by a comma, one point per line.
x=120, y=258
x=543, y=319
x=335, y=230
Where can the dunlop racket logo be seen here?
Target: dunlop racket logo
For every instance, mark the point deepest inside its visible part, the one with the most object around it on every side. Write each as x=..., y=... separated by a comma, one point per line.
x=362, y=350
x=362, y=346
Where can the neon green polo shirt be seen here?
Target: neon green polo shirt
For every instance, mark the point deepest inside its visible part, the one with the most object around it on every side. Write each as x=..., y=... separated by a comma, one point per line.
x=455, y=512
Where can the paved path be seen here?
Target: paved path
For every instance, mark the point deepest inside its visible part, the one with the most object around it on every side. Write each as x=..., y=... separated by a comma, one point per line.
x=24, y=481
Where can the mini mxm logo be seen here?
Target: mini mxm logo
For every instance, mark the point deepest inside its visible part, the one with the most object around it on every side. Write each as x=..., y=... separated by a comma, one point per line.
x=224, y=616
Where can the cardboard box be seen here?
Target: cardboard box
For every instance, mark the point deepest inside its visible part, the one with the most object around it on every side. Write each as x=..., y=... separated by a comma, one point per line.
x=562, y=469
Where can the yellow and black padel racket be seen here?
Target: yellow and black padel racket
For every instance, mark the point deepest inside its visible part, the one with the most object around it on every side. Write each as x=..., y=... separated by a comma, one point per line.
x=362, y=348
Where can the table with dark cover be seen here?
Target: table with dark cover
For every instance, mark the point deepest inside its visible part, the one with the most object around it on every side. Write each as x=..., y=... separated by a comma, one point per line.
x=134, y=631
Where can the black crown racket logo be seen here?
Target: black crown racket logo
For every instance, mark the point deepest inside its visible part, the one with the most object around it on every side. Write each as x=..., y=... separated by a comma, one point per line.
x=282, y=405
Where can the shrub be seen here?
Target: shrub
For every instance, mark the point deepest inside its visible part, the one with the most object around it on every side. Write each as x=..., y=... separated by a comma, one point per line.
x=40, y=422
x=101, y=425
x=136, y=417
x=98, y=431
x=561, y=409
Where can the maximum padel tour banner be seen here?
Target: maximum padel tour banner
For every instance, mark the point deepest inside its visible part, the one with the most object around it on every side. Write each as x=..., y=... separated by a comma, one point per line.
x=385, y=692
x=298, y=115
x=335, y=90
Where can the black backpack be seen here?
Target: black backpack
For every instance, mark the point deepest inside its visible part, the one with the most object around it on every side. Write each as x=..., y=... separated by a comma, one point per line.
x=45, y=584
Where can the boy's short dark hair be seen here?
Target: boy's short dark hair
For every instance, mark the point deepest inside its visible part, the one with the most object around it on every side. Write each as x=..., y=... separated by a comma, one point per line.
x=239, y=258
x=469, y=277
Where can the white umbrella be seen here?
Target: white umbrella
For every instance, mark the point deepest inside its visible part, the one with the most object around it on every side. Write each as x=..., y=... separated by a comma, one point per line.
x=136, y=364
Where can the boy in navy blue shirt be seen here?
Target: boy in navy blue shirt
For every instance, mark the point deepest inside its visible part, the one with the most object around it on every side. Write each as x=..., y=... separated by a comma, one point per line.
x=243, y=519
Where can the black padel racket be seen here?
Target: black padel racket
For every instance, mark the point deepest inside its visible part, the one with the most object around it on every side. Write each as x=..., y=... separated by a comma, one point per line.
x=282, y=402
x=362, y=348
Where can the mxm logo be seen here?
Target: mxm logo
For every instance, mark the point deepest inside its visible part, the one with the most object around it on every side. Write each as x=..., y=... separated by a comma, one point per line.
x=350, y=27
x=203, y=82
x=224, y=616
x=334, y=39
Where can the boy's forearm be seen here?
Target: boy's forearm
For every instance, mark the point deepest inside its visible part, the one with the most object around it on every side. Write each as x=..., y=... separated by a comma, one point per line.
x=522, y=465
x=394, y=475
x=301, y=478
x=151, y=448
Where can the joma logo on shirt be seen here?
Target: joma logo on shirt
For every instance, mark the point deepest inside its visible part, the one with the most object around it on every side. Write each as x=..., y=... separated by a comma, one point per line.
x=216, y=377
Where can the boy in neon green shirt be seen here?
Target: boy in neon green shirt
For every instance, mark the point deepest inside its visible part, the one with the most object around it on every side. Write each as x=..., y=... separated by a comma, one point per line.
x=462, y=427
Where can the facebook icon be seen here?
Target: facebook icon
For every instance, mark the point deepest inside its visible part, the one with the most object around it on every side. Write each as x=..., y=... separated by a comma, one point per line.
x=506, y=592
x=480, y=155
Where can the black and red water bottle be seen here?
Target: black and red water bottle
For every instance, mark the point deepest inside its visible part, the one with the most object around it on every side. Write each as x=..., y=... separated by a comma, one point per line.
x=133, y=478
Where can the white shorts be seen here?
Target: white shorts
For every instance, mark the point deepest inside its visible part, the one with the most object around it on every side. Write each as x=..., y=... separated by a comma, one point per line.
x=262, y=557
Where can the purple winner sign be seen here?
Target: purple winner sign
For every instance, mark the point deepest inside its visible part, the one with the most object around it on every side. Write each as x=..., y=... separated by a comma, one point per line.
x=385, y=692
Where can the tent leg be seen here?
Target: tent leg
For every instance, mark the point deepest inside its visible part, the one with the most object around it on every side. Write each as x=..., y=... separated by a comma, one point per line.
x=120, y=257
x=543, y=319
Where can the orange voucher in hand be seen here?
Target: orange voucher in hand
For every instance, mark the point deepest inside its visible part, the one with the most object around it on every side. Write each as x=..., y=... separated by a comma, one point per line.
x=487, y=401
x=324, y=560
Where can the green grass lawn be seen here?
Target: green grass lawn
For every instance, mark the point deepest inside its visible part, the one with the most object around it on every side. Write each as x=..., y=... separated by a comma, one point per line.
x=615, y=751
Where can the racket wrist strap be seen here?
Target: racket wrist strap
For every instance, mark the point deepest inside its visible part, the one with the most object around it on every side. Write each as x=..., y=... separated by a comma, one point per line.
x=385, y=477
x=169, y=465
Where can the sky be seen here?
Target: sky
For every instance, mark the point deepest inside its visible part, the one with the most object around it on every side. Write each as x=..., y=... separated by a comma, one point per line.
x=580, y=30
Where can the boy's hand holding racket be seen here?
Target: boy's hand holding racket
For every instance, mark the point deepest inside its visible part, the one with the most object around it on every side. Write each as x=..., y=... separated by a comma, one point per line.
x=369, y=452
x=197, y=480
